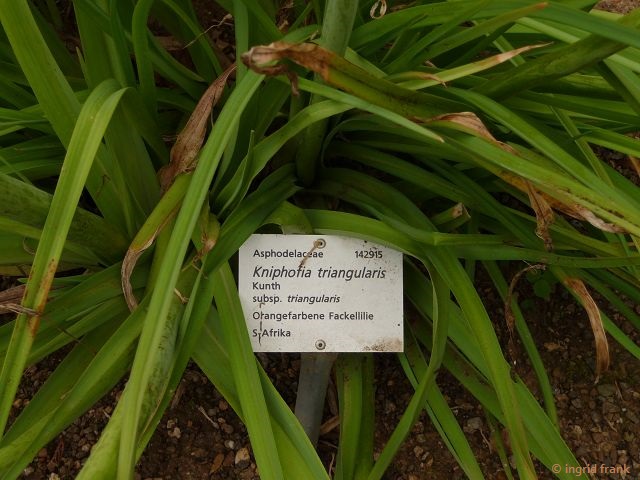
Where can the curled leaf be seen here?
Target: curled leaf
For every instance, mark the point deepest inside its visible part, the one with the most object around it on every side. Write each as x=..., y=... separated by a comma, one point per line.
x=141, y=242
x=467, y=122
x=544, y=215
x=508, y=310
x=589, y=216
x=579, y=289
x=10, y=297
x=459, y=210
x=183, y=160
x=17, y=308
x=156, y=221
x=573, y=210
x=191, y=138
x=265, y=58
x=378, y=9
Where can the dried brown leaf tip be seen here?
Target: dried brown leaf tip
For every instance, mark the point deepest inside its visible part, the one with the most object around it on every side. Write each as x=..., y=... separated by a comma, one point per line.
x=378, y=9
x=191, y=138
x=512, y=296
x=459, y=210
x=266, y=59
x=544, y=215
x=10, y=297
x=579, y=289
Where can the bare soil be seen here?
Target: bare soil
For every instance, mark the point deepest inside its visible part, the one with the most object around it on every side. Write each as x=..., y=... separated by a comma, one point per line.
x=200, y=437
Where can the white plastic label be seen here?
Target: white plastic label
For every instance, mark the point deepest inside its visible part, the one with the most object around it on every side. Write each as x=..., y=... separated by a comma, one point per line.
x=321, y=293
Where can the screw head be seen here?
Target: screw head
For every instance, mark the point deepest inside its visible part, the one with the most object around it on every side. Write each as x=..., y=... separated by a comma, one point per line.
x=321, y=344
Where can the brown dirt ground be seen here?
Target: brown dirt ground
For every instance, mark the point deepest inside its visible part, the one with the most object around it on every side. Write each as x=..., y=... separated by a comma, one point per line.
x=200, y=437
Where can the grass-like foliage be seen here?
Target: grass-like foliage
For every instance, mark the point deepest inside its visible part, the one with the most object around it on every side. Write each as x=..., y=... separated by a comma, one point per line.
x=462, y=133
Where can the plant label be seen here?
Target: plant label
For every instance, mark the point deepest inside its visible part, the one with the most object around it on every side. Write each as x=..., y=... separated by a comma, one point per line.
x=321, y=293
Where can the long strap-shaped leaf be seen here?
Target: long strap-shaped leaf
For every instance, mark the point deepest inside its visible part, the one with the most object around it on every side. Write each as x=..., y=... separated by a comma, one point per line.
x=453, y=274
x=245, y=373
x=148, y=355
x=57, y=99
x=87, y=137
x=562, y=62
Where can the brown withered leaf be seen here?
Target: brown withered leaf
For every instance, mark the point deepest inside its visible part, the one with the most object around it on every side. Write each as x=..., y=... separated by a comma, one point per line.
x=586, y=214
x=578, y=287
x=542, y=203
x=470, y=123
x=508, y=310
x=267, y=59
x=572, y=210
x=378, y=9
x=131, y=257
x=17, y=308
x=459, y=210
x=11, y=296
x=264, y=59
x=330, y=425
x=544, y=215
x=191, y=138
x=183, y=159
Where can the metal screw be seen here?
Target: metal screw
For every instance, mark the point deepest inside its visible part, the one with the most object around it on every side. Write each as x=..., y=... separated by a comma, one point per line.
x=321, y=344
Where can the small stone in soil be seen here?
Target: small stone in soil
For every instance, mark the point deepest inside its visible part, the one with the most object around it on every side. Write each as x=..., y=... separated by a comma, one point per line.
x=606, y=390
x=242, y=459
x=217, y=463
x=473, y=424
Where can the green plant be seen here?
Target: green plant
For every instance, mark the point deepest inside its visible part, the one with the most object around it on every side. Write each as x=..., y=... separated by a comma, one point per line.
x=433, y=112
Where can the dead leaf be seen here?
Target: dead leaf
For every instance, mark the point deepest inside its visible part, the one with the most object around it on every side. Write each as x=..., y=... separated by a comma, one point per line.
x=183, y=159
x=11, y=296
x=17, y=308
x=573, y=210
x=378, y=9
x=508, y=311
x=191, y=138
x=589, y=216
x=552, y=346
x=459, y=210
x=330, y=425
x=10, y=301
x=264, y=58
x=469, y=122
x=544, y=215
x=511, y=295
x=578, y=287
x=129, y=263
